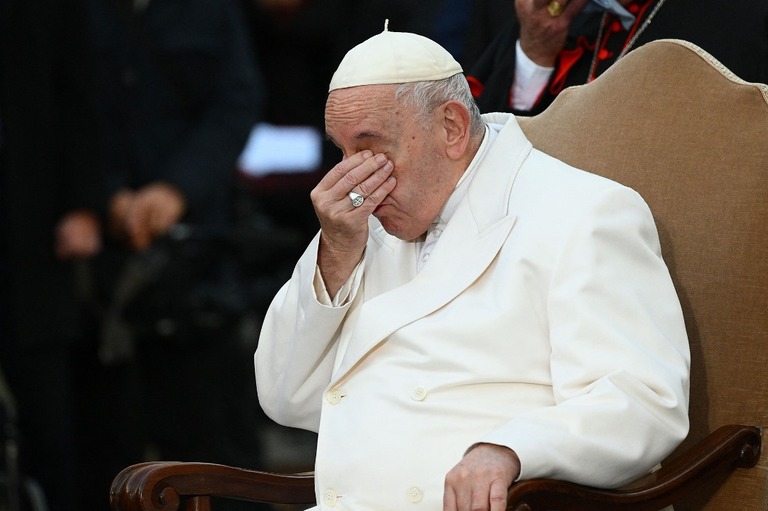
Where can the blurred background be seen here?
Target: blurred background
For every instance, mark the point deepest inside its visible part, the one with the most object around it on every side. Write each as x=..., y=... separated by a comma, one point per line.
x=156, y=160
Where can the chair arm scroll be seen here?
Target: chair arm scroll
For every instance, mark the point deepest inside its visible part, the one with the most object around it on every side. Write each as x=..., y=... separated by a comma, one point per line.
x=729, y=447
x=175, y=486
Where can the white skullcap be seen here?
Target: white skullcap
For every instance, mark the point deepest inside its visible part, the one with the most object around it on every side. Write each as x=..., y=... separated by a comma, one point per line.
x=394, y=57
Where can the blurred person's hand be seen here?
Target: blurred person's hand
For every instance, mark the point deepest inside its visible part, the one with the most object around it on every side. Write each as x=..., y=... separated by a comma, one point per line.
x=118, y=210
x=144, y=215
x=78, y=234
x=542, y=35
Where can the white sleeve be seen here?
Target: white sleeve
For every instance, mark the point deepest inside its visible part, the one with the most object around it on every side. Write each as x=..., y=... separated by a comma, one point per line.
x=530, y=80
x=298, y=343
x=619, y=361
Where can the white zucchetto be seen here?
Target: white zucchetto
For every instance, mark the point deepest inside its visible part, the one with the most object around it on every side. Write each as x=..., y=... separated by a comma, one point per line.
x=394, y=57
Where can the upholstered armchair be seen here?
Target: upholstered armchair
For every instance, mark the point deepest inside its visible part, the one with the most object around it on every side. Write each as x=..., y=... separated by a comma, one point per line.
x=692, y=139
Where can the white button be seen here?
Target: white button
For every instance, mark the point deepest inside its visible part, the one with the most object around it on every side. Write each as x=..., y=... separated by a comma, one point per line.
x=415, y=494
x=419, y=394
x=333, y=396
x=437, y=232
x=425, y=257
x=330, y=497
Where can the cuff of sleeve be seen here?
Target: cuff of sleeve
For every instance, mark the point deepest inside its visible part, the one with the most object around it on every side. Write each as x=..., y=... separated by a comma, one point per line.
x=530, y=80
x=345, y=294
x=518, y=478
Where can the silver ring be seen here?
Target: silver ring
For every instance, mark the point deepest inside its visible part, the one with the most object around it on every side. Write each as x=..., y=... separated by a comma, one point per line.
x=357, y=199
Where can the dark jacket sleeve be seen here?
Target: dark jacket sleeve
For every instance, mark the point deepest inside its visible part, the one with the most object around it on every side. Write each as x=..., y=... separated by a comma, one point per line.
x=72, y=77
x=180, y=92
x=222, y=127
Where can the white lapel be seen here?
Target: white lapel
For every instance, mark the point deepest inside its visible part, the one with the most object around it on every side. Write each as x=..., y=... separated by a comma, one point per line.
x=470, y=242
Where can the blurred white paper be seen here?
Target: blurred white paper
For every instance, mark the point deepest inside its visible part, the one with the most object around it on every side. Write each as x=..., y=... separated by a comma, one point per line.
x=281, y=149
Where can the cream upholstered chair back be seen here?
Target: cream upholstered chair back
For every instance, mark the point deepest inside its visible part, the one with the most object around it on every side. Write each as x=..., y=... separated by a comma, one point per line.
x=671, y=122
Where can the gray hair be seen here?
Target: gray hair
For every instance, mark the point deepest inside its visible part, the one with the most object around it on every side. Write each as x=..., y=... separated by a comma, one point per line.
x=426, y=96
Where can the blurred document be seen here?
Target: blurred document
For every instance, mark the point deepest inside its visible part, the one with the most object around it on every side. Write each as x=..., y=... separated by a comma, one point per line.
x=281, y=149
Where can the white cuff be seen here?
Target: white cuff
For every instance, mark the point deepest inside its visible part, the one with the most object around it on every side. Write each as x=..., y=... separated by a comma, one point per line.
x=344, y=294
x=530, y=80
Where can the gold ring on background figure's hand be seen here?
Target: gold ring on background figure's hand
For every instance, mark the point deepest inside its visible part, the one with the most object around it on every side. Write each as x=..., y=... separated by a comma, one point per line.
x=555, y=8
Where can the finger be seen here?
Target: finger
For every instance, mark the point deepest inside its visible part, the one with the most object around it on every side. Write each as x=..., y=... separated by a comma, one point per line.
x=568, y=8
x=331, y=194
x=449, y=499
x=140, y=239
x=164, y=206
x=556, y=8
x=161, y=217
x=572, y=8
x=373, y=182
x=138, y=231
x=464, y=500
x=119, y=205
x=160, y=223
x=76, y=239
x=341, y=169
x=461, y=489
x=498, y=495
x=478, y=491
x=137, y=225
x=378, y=196
x=543, y=6
x=364, y=178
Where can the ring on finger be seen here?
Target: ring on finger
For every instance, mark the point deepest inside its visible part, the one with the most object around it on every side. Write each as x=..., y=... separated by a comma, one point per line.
x=357, y=199
x=555, y=8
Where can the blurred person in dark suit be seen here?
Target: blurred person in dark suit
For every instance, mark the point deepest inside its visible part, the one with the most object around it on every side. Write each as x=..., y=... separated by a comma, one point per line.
x=179, y=95
x=50, y=199
x=179, y=92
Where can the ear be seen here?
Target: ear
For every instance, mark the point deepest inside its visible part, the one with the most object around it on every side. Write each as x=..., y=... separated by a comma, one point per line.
x=455, y=124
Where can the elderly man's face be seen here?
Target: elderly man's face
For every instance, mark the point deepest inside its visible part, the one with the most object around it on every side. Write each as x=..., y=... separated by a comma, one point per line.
x=369, y=117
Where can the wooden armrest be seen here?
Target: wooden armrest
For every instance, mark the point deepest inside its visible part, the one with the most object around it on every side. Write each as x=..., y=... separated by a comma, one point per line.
x=725, y=449
x=171, y=485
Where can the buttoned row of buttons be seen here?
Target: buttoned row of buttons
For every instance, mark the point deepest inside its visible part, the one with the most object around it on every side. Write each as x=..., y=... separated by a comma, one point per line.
x=331, y=498
x=434, y=234
x=333, y=396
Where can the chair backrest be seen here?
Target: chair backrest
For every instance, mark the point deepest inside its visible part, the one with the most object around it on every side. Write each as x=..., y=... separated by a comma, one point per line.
x=671, y=122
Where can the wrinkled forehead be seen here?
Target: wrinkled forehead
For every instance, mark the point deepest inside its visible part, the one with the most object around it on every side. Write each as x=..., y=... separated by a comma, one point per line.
x=364, y=112
x=363, y=102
